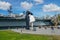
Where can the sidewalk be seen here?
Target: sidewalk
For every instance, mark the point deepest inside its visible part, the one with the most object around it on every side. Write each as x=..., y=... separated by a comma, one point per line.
x=43, y=31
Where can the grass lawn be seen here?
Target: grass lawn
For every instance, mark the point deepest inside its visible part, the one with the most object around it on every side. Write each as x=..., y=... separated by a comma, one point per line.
x=10, y=35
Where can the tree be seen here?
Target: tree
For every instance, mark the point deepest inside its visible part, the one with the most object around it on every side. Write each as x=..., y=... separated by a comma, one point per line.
x=9, y=10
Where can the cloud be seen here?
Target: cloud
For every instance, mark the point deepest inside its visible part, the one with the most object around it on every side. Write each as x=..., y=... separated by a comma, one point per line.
x=51, y=7
x=4, y=5
x=26, y=5
x=39, y=1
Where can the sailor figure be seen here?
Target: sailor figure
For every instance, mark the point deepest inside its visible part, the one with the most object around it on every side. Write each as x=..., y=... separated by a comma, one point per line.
x=27, y=20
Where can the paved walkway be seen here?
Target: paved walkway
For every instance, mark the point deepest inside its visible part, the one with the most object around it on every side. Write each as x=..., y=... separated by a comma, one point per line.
x=43, y=31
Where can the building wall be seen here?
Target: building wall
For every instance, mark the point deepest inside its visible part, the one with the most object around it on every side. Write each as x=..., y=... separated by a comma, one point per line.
x=12, y=23
x=22, y=23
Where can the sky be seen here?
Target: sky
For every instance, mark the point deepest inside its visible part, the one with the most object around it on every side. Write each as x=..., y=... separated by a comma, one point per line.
x=38, y=7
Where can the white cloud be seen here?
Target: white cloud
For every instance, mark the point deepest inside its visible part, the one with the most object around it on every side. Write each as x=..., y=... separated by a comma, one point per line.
x=26, y=5
x=39, y=1
x=4, y=5
x=21, y=14
x=51, y=7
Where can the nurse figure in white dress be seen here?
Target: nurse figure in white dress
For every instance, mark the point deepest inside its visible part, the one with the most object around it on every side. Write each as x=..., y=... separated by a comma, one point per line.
x=31, y=21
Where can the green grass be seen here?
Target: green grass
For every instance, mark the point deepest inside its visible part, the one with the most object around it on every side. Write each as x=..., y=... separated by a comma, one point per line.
x=10, y=35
